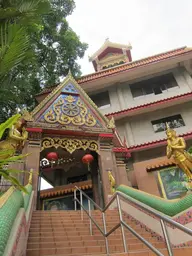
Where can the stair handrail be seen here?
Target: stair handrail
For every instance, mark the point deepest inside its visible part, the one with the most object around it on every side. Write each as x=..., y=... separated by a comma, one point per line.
x=163, y=220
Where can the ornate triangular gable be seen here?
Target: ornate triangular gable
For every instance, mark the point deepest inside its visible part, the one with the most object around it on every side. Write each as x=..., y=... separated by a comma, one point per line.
x=69, y=107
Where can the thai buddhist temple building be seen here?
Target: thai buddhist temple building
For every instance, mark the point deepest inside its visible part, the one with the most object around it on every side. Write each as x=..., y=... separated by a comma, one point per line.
x=100, y=141
x=141, y=96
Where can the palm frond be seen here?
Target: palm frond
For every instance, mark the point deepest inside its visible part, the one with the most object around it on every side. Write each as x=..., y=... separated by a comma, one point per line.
x=8, y=13
x=13, y=181
x=14, y=43
x=12, y=159
x=34, y=6
x=8, y=124
x=14, y=171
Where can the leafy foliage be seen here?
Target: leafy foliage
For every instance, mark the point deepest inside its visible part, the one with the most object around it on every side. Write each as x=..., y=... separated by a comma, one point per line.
x=37, y=47
x=9, y=173
x=189, y=150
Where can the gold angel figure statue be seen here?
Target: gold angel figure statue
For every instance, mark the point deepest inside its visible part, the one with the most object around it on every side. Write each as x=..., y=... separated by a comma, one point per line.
x=112, y=182
x=15, y=140
x=176, y=148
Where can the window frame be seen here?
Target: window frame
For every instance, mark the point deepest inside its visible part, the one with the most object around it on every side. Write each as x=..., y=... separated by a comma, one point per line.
x=170, y=120
x=107, y=105
x=151, y=83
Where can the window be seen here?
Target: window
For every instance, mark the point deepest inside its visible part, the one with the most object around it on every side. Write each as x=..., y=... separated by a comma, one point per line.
x=156, y=85
x=101, y=99
x=173, y=121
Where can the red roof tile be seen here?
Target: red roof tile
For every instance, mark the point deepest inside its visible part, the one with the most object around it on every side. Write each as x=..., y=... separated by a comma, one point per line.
x=134, y=64
x=65, y=189
x=128, y=110
x=128, y=66
x=148, y=145
x=160, y=164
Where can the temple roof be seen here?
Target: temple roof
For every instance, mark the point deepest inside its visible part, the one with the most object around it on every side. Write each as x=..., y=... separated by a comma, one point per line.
x=156, y=143
x=135, y=64
x=65, y=189
x=151, y=105
x=160, y=164
x=68, y=107
x=108, y=44
x=128, y=66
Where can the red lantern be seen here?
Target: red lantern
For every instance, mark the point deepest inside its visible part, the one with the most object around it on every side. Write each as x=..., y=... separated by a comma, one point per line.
x=87, y=159
x=52, y=156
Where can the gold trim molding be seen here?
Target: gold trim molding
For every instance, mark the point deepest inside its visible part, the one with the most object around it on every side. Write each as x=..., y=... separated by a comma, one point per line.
x=69, y=144
x=4, y=197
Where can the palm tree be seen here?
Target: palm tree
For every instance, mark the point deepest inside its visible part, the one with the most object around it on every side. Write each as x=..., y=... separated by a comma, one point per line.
x=18, y=20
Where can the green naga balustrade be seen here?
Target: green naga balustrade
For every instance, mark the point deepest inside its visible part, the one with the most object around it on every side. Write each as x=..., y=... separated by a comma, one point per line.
x=10, y=204
x=168, y=207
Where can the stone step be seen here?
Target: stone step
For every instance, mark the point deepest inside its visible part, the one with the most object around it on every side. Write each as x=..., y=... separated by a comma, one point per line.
x=73, y=218
x=85, y=240
x=75, y=237
x=101, y=251
x=78, y=233
x=92, y=243
x=75, y=227
x=63, y=233
x=177, y=252
x=75, y=224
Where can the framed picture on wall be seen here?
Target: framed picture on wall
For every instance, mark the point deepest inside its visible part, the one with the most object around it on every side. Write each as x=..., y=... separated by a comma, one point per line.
x=59, y=203
x=65, y=202
x=172, y=182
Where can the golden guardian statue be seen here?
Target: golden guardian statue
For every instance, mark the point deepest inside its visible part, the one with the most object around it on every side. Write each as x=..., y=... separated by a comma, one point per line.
x=15, y=140
x=176, y=148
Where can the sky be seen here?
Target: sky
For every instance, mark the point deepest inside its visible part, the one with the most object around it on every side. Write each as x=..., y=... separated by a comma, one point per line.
x=151, y=26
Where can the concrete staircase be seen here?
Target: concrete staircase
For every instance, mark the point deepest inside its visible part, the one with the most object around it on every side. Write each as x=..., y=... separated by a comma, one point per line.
x=63, y=233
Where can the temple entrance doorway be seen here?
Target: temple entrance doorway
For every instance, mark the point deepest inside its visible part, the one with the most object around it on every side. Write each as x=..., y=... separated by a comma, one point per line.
x=64, y=173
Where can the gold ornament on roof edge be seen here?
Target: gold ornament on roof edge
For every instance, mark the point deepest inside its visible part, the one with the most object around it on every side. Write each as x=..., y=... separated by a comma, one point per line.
x=30, y=177
x=27, y=116
x=111, y=123
x=70, y=144
x=176, y=148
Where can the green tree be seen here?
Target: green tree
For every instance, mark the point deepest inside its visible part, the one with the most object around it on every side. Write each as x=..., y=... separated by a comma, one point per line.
x=54, y=49
x=18, y=19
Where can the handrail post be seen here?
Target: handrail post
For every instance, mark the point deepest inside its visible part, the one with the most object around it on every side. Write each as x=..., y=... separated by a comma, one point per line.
x=105, y=231
x=90, y=221
x=81, y=200
x=75, y=201
x=166, y=236
x=122, y=227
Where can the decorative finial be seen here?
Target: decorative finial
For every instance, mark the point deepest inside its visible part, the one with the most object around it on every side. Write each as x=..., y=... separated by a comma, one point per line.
x=69, y=73
x=70, y=99
x=167, y=126
x=111, y=123
x=26, y=115
x=112, y=181
x=125, y=142
x=30, y=177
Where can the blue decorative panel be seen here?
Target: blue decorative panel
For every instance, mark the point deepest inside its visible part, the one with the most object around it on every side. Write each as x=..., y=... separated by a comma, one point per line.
x=70, y=88
x=70, y=110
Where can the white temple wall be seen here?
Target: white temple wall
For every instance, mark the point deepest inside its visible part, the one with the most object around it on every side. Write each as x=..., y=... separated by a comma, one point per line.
x=139, y=129
x=121, y=96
